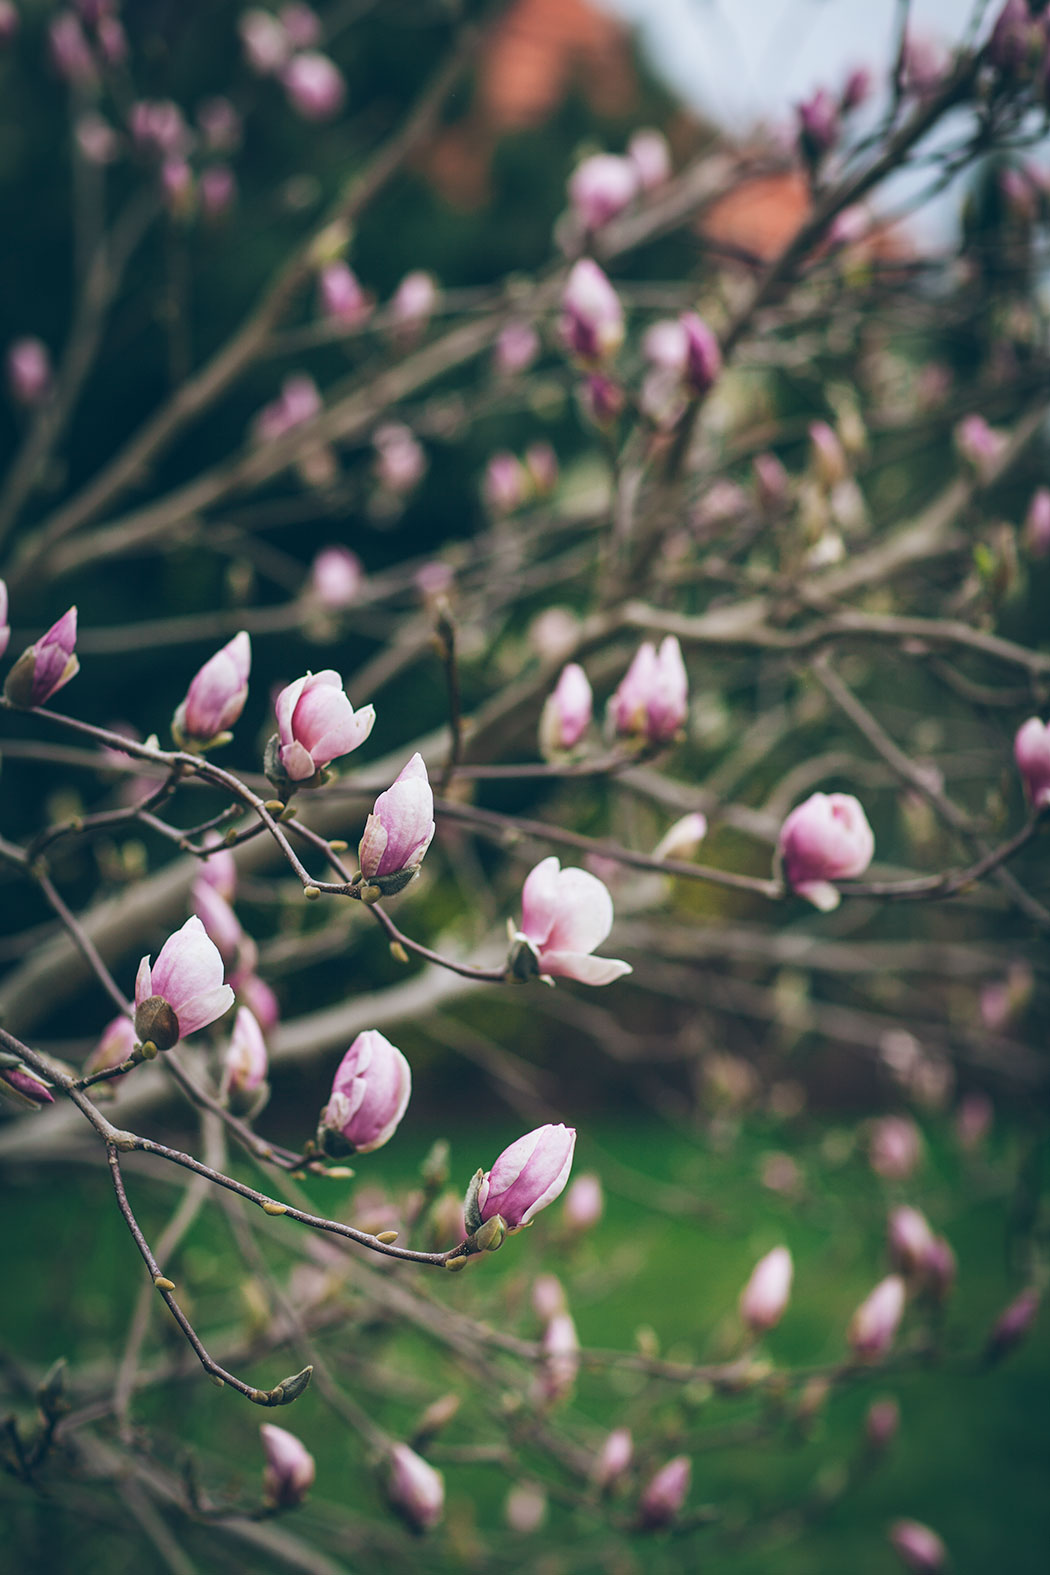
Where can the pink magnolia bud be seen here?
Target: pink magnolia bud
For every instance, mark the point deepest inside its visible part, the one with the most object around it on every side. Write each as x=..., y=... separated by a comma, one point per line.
x=301, y=25
x=566, y=713
x=220, y=125
x=565, y=914
x=703, y=357
x=818, y=125
x=178, y=188
x=370, y=1094
x=525, y=1509
x=70, y=51
x=1037, y=523
x=826, y=838
x=827, y=455
x=158, y=127
x=910, y=1240
x=8, y=21
x=97, y=142
x=315, y=86
x=46, y=665
x=980, y=444
x=856, y=89
x=553, y=633
x=601, y=400
x=216, y=696
x=765, y=1296
x=506, y=486
x=601, y=187
x=882, y=1422
x=923, y=65
x=973, y=1120
x=527, y=1176
x=665, y=345
x=584, y=1202
x=592, y=325
x=289, y=1471
x=940, y=1268
x=245, y=1063
x=266, y=44
x=561, y=1359
x=772, y=483
x=219, y=869
x=1032, y=753
x=682, y=839
x=415, y=1489
x=652, y=701
x=317, y=724
x=183, y=991
x=874, y=1324
x=649, y=153
x=218, y=190
x=414, y=300
x=1012, y=1325
x=116, y=1042
x=665, y=1494
x=28, y=371
x=894, y=1147
x=220, y=922
x=517, y=346
x=400, y=460
x=5, y=627
x=399, y=830
x=342, y=298
x=24, y=1087
x=613, y=1458
x=260, y=1000
x=548, y=1297
x=336, y=577
x=299, y=402
x=917, y=1547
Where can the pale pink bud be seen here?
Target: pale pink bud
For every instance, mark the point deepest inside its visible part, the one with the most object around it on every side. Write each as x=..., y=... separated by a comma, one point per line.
x=317, y=724
x=703, y=357
x=765, y=1296
x=584, y=1202
x=1032, y=753
x=894, y=1147
x=400, y=460
x=548, y=1297
x=910, y=1239
x=266, y=44
x=315, y=86
x=818, y=125
x=289, y=1471
x=566, y=713
x=652, y=701
x=517, y=346
x=565, y=914
x=299, y=402
x=1037, y=523
x=917, y=1547
x=46, y=665
x=342, y=298
x=216, y=696
x=553, y=633
x=825, y=839
x=923, y=64
x=649, y=153
x=1012, y=1325
x=115, y=1044
x=772, y=482
x=601, y=400
x=399, y=830
x=245, y=1062
x=592, y=325
x=505, y=487
x=682, y=839
x=370, y=1094
x=665, y=1494
x=614, y=1457
x=28, y=371
x=302, y=25
x=9, y=21
x=874, y=1324
x=601, y=187
x=157, y=126
x=24, y=1087
x=96, y=139
x=71, y=53
x=414, y=300
x=980, y=444
x=664, y=344
x=973, y=1120
x=336, y=577
x=220, y=125
x=5, y=627
x=218, y=190
x=561, y=1358
x=527, y=1176
x=541, y=462
x=187, y=978
x=827, y=455
x=882, y=1422
x=260, y=999
x=220, y=922
x=415, y=1489
x=525, y=1509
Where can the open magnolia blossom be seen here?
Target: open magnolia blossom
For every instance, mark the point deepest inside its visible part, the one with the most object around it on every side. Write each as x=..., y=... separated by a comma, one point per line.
x=565, y=914
x=317, y=724
x=184, y=989
x=825, y=839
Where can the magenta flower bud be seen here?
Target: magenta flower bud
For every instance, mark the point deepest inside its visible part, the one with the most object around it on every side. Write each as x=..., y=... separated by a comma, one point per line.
x=28, y=371
x=289, y=1471
x=5, y=627
x=8, y=21
x=260, y=1000
x=1012, y=1325
x=827, y=455
x=894, y=1147
x=772, y=483
x=614, y=1458
x=298, y=403
x=245, y=1063
x=218, y=191
x=315, y=86
x=342, y=298
x=601, y=187
x=1032, y=753
x=553, y=633
x=1037, y=523
x=526, y=1177
x=882, y=1422
x=178, y=187
x=220, y=125
x=565, y=914
x=874, y=1324
x=517, y=346
x=116, y=1042
x=70, y=51
x=415, y=1490
x=910, y=1240
x=765, y=1296
x=414, y=301
x=506, y=486
x=980, y=445
x=682, y=839
x=216, y=696
x=825, y=839
x=24, y=1087
x=370, y=1094
x=302, y=25
x=973, y=1120
x=336, y=577
x=601, y=400
x=46, y=665
x=856, y=89
x=265, y=42
x=592, y=325
x=649, y=153
x=664, y=1495
x=584, y=1202
x=399, y=830
x=158, y=126
x=183, y=991
x=917, y=1547
x=548, y=1297
x=400, y=460
x=703, y=357
x=1016, y=37
x=652, y=701
x=818, y=125
x=317, y=724
x=566, y=713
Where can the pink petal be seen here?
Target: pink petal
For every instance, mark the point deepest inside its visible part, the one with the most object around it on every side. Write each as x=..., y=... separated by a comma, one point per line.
x=584, y=969
x=539, y=900
x=584, y=913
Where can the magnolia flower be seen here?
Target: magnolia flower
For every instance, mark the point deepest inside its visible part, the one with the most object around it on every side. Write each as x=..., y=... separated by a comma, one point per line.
x=506, y=485
x=401, y=460
x=827, y=455
x=115, y=1044
x=414, y=1488
x=216, y=696
x=44, y=667
x=584, y=1202
x=649, y=153
x=614, y=1457
x=652, y=701
x=317, y=724
x=1032, y=753
x=399, y=830
x=818, y=125
x=918, y=1547
x=219, y=870
x=601, y=187
x=874, y=1324
x=289, y=1472
x=336, y=577
x=184, y=989
x=315, y=86
x=981, y=445
x=517, y=346
x=681, y=840
x=259, y=998
x=592, y=322
x=28, y=370
x=665, y=1494
x=703, y=355
x=245, y=1063
x=824, y=839
x=370, y=1094
x=525, y=1508
x=765, y=1296
x=772, y=482
x=882, y=1422
x=342, y=298
x=565, y=914
x=527, y=1176
x=220, y=922
x=567, y=712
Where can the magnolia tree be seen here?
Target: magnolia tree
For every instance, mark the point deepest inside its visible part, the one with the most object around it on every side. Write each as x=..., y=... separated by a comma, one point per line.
x=756, y=660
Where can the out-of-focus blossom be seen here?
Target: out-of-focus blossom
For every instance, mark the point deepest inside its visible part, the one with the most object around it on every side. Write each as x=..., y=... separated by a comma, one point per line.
x=46, y=665
x=894, y=1147
x=400, y=460
x=220, y=922
x=825, y=839
x=414, y=301
x=1037, y=523
x=910, y=1239
x=1018, y=39
x=517, y=346
x=561, y=1359
x=584, y=1202
x=71, y=54
x=541, y=465
x=703, y=357
x=112, y=40
x=648, y=151
x=289, y=1471
x=652, y=700
x=565, y=914
x=1032, y=753
x=178, y=187
x=923, y=64
x=415, y=1489
x=601, y=400
x=601, y=187
x=980, y=444
x=506, y=486
x=220, y=125
x=24, y=1087
x=525, y=1508
x=216, y=696
x=827, y=456
x=301, y=24
x=973, y=1121
x=28, y=370
x=245, y=1063
x=566, y=713
x=336, y=577
x=917, y=1547
x=1002, y=1001
x=819, y=127
x=260, y=999
x=218, y=191
x=665, y=1493
x=665, y=344
x=5, y=627
x=765, y=1296
x=399, y=830
x=219, y=869
x=370, y=1094
x=265, y=42
x=772, y=483
x=1012, y=1325
x=526, y=1177
x=548, y=1297
x=342, y=298
x=299, y=402
x=553, y=633
x=613, y=1458
x=882, y=1422
x=940, y=1268
x=873, y=1326
x=682, y=839
x=96, y=139
x=158, y=127
x=315, y=86
x=317, y=724
x=856, y=89
x=592, y=324
x=184, y=989
x=9, y=21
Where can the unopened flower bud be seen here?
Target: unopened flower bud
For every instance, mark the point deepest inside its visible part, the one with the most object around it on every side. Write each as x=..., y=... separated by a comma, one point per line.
x=415, y=1490
x=601, y=400
x=1037, y=523
x=266, y=44
x=1032, y=753
x=827, y=456
x=1012, y=1325
x=772, y=483
x=584, y=1202
x=245, y=1063
x=517, y=347
x=873, y=1326
x=665, y=1494
x=22, y=1086
x=894, y=1147
x=818, y=125
x=561, y=1359
x=980, y=445
x=414, y=301
x=370, y=1094
x=399, y=830
x=917, y=1547
x=216, y=696
x=401, y=461
x=70, y=51
x=652, y=701
x=856, y=89
x=567, y=713
x=342, y=298
x=601, y=187
x=116, y=1042
x=315, y=86
x=592, y=325
x=526, y=1177
x=220, y=125
x=301, y=24
x=218, y=191
x=289, y=1471
x=825, y=839
x=548, y=1297
x=46, y=666
x=9, y=21
x=184, y=989
x=613, y=1458
x=649, y=153
x=28, y=371
x=336, y=577
x=910, y=1240
x=541, y=466
x=765, y=1296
